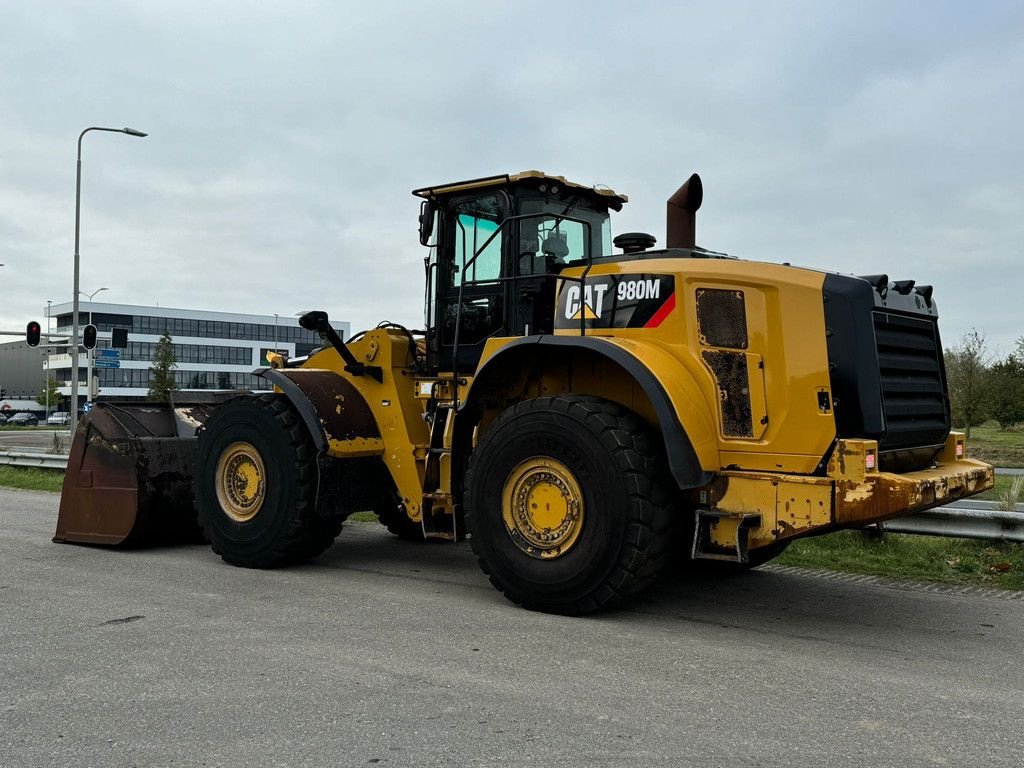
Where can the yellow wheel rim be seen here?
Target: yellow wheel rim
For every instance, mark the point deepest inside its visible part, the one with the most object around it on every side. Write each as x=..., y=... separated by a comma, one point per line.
x=241, y=481
x=542, y=506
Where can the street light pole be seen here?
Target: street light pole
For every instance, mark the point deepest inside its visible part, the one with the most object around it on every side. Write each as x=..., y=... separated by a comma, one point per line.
x=275, y=332
x=90, y=354
x=46, y=384
x=74, y=310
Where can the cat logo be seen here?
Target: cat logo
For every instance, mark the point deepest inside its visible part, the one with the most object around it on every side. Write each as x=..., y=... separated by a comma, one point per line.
x=593, y=301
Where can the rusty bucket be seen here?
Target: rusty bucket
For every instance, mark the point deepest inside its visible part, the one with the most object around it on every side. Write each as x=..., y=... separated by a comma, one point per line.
x=129, y=476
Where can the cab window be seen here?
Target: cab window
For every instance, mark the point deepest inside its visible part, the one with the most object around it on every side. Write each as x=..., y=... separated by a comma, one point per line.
x=477, y=223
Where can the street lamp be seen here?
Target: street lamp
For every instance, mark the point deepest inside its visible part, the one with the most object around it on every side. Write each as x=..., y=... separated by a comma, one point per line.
x=49, y=302
x=74, y=311
x=89, y=354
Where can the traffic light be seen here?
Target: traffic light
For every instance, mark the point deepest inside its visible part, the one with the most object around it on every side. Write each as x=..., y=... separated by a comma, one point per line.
x=119, y=338
x=32, y=333
x=89, y=336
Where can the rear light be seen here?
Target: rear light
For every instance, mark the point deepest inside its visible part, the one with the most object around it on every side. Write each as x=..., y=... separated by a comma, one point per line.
x=959, y=450
x=869, y=460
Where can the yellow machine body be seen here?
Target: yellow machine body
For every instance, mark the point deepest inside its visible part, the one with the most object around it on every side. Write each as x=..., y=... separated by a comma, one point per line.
x=783, y=402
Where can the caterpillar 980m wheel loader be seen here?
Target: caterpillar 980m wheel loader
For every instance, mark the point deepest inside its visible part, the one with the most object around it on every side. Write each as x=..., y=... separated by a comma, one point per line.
x=583, y=416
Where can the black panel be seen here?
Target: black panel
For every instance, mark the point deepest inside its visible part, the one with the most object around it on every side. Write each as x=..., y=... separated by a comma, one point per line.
x=852, y=358
x=886, y=369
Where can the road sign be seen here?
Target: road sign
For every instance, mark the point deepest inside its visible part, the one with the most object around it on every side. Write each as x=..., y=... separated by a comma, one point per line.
x=112, y=353
x=101, y=362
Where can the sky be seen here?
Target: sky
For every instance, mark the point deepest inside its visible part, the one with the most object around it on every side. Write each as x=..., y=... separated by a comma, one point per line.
x=284, y=140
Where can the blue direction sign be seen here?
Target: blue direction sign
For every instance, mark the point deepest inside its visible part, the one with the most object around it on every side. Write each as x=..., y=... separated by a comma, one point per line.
x=106, y=362
x=109, y=353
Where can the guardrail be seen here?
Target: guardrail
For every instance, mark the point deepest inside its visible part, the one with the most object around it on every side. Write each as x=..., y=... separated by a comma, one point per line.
x=965, y=519
x=981, y=520
x=31, y=459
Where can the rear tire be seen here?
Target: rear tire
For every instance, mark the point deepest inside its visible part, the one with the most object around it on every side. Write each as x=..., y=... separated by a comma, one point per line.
x=256, y=485
x=600, y=469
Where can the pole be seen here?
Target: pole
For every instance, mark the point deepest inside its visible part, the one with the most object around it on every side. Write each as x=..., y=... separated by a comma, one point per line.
x=275, y=332
x=74, y=301
x=90, y=355
x=88, y=364
x=74, y=310
x=47, y=380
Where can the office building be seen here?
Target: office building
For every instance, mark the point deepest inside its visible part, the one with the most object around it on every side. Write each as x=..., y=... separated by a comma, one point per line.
x=214, y=350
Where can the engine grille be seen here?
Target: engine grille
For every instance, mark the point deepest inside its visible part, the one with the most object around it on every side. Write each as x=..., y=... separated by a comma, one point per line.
x=914, y=395
x=721, y=318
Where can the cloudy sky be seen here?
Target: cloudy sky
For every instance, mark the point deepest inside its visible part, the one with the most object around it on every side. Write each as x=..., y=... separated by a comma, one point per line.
x=284, y=140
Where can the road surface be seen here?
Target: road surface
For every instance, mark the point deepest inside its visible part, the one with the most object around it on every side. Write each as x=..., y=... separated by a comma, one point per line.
x=394, y=654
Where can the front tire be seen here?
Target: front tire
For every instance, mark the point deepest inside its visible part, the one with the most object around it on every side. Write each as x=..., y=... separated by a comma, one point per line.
x=256, y=485
x=569, y=504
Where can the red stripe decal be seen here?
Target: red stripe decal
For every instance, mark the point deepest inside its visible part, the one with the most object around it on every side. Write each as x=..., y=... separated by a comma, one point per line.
x=661, y=314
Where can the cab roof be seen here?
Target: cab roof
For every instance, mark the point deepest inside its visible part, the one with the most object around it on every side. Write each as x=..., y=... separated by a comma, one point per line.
x=497, y=181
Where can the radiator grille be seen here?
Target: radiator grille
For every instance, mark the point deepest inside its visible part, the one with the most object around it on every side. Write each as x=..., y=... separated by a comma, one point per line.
x=730, y=370
x=914, y=396
x=721, y=318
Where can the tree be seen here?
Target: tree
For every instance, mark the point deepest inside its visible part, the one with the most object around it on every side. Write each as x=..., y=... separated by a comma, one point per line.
x=161, y=373
x=1006, y=391
x=49, y=396
x=966, y=374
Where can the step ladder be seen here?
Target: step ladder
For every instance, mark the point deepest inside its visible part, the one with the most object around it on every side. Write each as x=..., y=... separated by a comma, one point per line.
x=437, y=524
x=736, y=526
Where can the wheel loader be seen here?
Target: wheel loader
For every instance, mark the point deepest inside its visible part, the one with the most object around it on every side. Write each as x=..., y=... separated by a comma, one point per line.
x=586, y=411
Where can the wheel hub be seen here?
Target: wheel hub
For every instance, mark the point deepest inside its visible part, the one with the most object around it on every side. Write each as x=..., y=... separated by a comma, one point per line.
x=241, y=485
x=542, y=506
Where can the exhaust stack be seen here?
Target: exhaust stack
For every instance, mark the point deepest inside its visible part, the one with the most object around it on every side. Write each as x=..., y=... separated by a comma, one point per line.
x=681, y=218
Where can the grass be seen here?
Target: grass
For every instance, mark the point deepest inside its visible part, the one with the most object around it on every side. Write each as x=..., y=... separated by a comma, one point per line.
x=991, y=444
x=916, y=558
x=1002, y=485
x=31, y=478
x=16, y=428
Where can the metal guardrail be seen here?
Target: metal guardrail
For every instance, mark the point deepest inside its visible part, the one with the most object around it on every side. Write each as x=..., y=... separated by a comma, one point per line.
x=32, y=459
x=965, y=519
x=976, y=522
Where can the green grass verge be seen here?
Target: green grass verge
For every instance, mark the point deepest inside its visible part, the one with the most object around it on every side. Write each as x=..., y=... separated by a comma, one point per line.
x=31, y=478
x=991, y=444
x=1003, y=483
x=917, y=558
x=363, y=517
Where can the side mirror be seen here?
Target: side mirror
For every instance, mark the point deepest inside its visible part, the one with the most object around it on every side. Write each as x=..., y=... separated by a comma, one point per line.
x=427, y=211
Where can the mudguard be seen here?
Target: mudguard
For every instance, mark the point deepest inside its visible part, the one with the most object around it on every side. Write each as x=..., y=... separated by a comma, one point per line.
x=336, y=414
x=686, y=467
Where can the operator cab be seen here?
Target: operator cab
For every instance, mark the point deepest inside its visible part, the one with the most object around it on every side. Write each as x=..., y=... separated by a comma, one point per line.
x=497, y=245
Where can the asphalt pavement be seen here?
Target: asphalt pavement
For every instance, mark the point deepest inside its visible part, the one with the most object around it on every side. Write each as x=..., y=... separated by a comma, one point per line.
x=396, y=654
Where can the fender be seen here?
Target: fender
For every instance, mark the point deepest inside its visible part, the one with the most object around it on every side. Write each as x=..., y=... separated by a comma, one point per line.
x=684, y=461
x=335, y=413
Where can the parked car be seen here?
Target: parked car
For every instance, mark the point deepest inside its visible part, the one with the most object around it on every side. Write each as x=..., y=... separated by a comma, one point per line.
x=59, y=418
x=3, y=419
x=23, y=420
